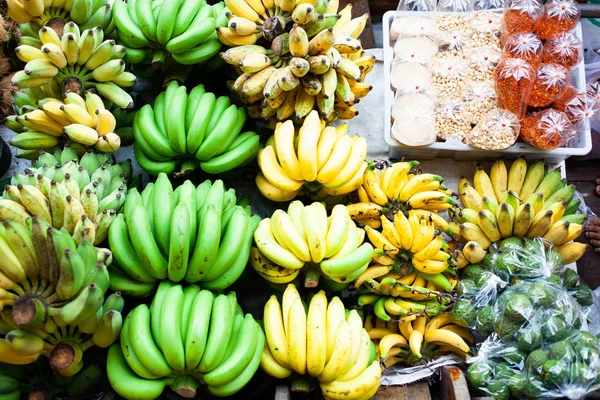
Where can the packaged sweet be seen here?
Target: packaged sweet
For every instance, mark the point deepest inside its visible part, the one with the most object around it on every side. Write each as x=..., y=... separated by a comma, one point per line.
x=480, y=98
x=557, y=17
x=482, y=62
x=455, y=40
x=450, y=22
x=525, y=46
x=521, y=15
x=497, y=130
x=550, y=83
x=449, y=75
x=514, y=79
x=547, y=129
x=452, y=120
x=415, y=50
x=417, y=5
x=413, y=120
x=411, y=79
x=456, y=5
x=572, y=103
x=564, y=49
x=413, y=27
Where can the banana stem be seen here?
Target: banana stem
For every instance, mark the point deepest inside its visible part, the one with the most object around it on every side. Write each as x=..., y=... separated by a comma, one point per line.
x=62, y=356
x=187, y=167
x=185, y=386
x=72, y=84
x=312, y=273
x=179, y=73
x=30, y=311
x=303, y=384
x=158, y=58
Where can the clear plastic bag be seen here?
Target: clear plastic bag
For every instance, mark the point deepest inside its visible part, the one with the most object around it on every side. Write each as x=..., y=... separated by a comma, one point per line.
x=414, y=124
x=540, y=348
x=449, y=76
x=419, y=50
x=411, y=78
x=525, y=46
x=548, y=129
x=480, y=98
x=456, y=40
x=485, y=21
x=452, y=120
x=521, y=15
x=417, y=5
x=498, y=129
x=564, y=49
x=451, y=22
x=413, y=26
x=482, y=63
x=514, y=79
x=456, y=5
x=558, y=16
x=581, y=108
x=550, y=83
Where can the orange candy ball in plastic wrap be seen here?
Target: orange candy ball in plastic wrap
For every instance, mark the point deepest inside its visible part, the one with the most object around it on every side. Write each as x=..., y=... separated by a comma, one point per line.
x=558, y=16
x=514, y=79
x=564, y=49
x=525, y=46
x=521, y=15
x=550, y=83
x=548, y=129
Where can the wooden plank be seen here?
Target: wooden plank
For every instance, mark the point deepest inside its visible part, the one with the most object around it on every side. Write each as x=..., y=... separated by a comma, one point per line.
x=416, y=391
x=453, y=384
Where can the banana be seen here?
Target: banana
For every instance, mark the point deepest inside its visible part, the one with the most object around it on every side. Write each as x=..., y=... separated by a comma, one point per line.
x=445, y=336
x=143, y=345
x=389, y=341
x=363, y=385
x=516, y=175
x=275, y=333
x=286, y=233
x=340, y=351
x=534, y=176
x=540, y=224
x=572, y=251
x=284, y=144
x=473, y=252
x=297, y=336
x=483, y=183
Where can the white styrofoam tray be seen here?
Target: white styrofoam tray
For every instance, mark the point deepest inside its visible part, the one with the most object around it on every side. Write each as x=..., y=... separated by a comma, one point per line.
x=579, y=145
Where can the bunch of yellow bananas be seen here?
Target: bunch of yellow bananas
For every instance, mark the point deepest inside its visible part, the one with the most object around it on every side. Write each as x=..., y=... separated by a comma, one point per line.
x=521, y=202
x=76, y=120
x=397, y=187
x=305, y=238
x=78, y=60
x=323, y=342
x=32, y=14
x=315, y=159
x=315, y=60
x=414, y=338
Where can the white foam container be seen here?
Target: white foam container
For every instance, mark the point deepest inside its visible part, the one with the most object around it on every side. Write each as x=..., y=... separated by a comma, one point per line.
x=579, y=145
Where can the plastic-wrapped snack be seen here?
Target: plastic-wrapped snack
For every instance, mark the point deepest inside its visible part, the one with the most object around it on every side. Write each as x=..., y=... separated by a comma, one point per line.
x=521, y=15
x=485, y=21
x=413, y=120
x=558, y=16
x=564, y=49
x=413, y=27
x=455, y=41
x=415, y=50
x=498, y=129
x=481, y=5
x=417, y=5
x=593, y=90
x=481, y=40
x=580, y=108
x=452, y=22
x=452, y=120
x=480, y=98
x=525, y=46
x=550, y=83
x=456, y=5
x=547, y=129
x=482, y=62
x=514, y=79
x=410, y=78
x=449, y=76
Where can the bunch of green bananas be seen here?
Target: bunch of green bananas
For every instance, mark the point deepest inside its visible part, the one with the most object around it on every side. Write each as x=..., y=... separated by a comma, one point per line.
x=315, y=60
x=39, y=381
x=190, y=233
x=522, y=202
x=192, y=129
x=84, y=322
x=186, y=338
x=83, y=121
x=80, y=197
x=305, y=239
x=158, y=30
x=33, y=14
x=79, y=60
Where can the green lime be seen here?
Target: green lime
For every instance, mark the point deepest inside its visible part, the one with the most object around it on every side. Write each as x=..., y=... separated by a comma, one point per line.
x=485, y=320
x=499, y=390
x=479, y=374
x=562, y=351
x=555, y=328
x=554, y=373
x=529, y=339
x=535, y=360
x=464, y=313
x=518, y=307
x=570, y=278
